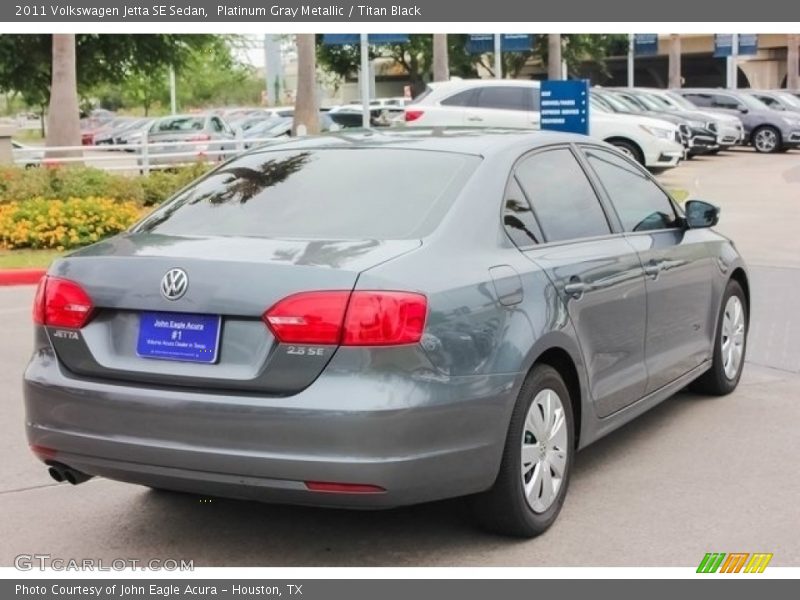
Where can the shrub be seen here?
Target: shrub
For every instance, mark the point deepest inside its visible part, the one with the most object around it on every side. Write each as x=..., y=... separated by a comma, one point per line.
x=63, y=224
x=61, y=183
x=160, y=185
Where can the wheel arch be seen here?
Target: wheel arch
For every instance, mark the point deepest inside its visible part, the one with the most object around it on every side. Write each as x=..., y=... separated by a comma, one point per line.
x=629, y=141
x=561, y=360
x=740, y=277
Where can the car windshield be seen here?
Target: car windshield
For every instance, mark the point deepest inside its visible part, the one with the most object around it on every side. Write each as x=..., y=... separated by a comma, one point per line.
x=658, y=102
x=789, y=99
x=752, y=102
x=648, y=102
x=620, y=104
x=679, y=101
x=178, y=124
x=335, y=193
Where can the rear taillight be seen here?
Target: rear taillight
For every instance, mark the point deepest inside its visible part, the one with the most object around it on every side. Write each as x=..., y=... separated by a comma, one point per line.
x=200, y=137
x=360, y=318
x=308, y=318
x=61, y=303
x=413, y=114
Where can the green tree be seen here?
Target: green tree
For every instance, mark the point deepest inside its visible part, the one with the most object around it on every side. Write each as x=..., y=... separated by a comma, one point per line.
x=415, y=56
x=26, y=60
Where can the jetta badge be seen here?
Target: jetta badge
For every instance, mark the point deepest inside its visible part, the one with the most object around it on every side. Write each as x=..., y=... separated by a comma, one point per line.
x=174, y=284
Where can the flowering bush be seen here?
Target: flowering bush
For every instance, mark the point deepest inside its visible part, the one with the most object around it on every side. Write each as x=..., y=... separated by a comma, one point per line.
x=64, y=224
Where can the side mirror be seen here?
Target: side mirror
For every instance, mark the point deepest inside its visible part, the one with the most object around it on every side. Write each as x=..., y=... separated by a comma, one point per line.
x=701, y=214
x=742, y=109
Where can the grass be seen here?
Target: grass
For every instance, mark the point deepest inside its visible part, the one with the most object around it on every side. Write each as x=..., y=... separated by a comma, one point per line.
x=26, y=136
x=27, y=259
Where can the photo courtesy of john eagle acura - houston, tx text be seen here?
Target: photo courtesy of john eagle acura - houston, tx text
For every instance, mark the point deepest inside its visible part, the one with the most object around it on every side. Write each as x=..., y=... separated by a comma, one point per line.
x=278, y=332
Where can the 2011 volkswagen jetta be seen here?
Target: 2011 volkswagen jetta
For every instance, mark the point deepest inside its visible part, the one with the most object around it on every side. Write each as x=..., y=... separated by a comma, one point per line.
x=371, y=320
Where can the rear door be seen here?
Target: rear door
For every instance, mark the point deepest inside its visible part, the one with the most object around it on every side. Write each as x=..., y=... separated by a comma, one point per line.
x=677, y=265
x=594, y=271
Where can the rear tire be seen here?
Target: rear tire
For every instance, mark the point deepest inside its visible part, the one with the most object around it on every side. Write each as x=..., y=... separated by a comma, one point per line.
x=729, y=347
x=525, y=500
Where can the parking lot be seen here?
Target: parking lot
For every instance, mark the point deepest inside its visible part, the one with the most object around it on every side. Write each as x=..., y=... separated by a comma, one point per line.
x=695, y=475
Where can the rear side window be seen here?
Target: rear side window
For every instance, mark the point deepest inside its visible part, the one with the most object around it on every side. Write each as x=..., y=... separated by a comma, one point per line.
x=640, y=203
x=563, y=200
x=518, y=217
x=320, y=194
x=505, y=97
x=178, y=124
x=465, y=98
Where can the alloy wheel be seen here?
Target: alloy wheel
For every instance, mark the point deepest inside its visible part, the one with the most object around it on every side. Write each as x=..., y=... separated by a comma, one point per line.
x=732, y=337
x=544, y=450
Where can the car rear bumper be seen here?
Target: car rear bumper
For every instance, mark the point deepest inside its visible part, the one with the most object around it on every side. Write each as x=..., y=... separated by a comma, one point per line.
x=419, y=439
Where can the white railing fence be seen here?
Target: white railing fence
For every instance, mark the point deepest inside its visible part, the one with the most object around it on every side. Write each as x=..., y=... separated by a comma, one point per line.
x=140, y=157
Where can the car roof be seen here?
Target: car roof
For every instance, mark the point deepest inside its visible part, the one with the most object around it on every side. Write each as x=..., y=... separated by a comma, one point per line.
x=475, y=141
x=467, y=83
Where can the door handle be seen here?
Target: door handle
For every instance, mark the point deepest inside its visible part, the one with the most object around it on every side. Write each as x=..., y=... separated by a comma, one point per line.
x=654, y=268
x=576, y=288
x=475, y=119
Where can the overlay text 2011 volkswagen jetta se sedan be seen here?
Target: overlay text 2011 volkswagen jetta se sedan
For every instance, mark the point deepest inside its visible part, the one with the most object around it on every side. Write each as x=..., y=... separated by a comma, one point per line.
x=372, y=320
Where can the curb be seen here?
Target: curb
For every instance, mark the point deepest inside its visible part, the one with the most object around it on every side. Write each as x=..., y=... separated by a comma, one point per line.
x=21, y=276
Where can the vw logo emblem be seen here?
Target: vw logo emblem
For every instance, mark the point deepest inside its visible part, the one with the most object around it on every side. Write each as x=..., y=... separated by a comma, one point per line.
x=174, y=284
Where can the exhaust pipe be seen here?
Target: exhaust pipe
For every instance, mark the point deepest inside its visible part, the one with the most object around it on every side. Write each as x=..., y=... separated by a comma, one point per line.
x=62, y=473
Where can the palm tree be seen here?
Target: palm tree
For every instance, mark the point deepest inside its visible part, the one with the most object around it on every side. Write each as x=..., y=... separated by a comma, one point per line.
x=306, y=111
x=441, y=69
x=63, y=127
x=554, y=56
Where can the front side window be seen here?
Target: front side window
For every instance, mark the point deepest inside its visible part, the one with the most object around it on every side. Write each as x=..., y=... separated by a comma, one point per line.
x=562, y=198
x=640, y=203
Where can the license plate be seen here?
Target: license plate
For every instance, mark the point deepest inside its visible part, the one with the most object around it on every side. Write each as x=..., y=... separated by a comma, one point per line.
x=179, y=336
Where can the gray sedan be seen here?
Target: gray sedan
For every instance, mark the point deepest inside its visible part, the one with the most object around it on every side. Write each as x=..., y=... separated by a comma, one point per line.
x=298, y=326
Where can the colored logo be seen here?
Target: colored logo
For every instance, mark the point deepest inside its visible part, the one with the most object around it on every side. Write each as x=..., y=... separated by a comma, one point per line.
x=735, y=562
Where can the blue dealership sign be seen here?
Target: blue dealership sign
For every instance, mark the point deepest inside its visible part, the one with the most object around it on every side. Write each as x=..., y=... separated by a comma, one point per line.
x=565, y=105
x=481, y=43
x=376, y=39
x=645, y=44
x=723, y=44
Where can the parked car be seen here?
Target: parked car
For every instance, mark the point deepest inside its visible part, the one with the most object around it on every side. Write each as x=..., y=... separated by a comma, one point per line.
x=729, y=128
x=779, y=100
x=352, y=115
x=187, y=138
x=27, y=156
x=699, y=132
x=514, y=103
x=292, y=329
x=134, y=135
x=114, y=135
x=766, y=129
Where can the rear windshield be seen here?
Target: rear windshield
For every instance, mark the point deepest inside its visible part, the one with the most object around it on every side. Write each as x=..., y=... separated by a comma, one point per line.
x=178, y=124
x=355, y=193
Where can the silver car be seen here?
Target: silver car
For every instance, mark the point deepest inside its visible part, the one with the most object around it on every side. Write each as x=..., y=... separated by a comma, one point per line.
x=182, y=139
x=303, y=326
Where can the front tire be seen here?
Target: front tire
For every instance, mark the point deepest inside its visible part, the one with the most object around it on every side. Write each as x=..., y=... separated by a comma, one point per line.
x=767, y=140
x=629, y=149
x=729, y=347
x=537, y=460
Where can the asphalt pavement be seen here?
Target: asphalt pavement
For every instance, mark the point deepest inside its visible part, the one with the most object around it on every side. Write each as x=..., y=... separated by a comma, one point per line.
x=695, y=475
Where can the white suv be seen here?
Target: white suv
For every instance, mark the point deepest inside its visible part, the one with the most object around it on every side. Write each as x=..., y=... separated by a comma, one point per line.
x=515, y=103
